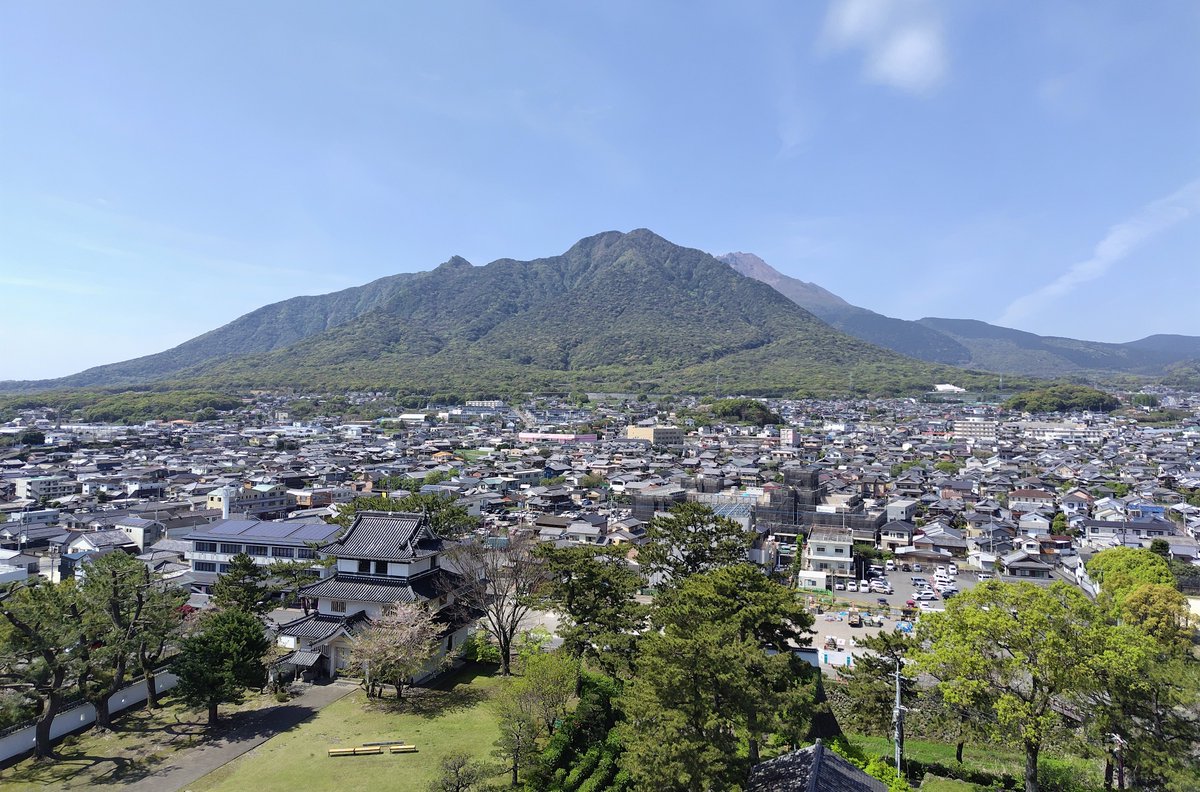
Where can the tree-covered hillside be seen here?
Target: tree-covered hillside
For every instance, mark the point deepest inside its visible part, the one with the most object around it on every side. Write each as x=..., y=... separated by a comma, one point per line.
x=618, y=311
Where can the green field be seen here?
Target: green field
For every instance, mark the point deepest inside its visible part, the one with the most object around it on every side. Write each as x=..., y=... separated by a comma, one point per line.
x=989, y=757
x=453, y=717
x=934, y=784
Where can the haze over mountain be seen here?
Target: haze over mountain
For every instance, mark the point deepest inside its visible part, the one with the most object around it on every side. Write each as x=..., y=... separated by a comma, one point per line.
x=617, y=311
x=906, y=337
x=977, y=344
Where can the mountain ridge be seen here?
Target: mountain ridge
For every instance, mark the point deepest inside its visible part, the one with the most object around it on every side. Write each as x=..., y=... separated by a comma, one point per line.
x=977, y=344
x=616, y=310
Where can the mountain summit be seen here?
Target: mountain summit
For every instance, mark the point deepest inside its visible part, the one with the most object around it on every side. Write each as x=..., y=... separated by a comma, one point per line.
x=617, y=311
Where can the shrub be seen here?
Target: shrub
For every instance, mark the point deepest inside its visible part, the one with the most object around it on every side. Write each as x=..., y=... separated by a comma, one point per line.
x=585, y=768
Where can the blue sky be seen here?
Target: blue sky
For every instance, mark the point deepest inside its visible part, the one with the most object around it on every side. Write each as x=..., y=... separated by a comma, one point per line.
x=166, y=167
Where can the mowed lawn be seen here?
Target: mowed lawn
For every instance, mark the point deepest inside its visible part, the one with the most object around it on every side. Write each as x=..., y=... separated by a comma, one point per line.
x=454, y=716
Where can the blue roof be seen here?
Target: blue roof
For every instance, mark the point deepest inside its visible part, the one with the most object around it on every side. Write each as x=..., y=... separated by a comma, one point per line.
x=295, y=532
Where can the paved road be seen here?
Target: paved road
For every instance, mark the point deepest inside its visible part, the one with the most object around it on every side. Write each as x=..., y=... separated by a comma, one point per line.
x=187, y=765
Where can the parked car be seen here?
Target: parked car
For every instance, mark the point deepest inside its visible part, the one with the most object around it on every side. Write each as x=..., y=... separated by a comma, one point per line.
x=882, y=601
x=941, y=569
x=905, y=568
x=839, y=586
x=953, y=569
x=852, y=586
x=889, y=565
x=917, y=568
x=924, y=595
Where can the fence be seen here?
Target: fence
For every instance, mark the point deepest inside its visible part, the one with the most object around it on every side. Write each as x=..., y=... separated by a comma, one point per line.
x=20, y=739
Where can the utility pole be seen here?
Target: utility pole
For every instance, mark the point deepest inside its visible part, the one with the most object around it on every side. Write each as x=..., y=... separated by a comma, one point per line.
x=898, y=722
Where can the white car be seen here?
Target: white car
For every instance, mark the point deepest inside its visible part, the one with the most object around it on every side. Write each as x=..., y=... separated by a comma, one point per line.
x=984, y=576
x=883, y=588
x=953, y=570
x=924, y=595
x=889, y=565
x=839, y=586
x=941, y=570
x=851, y=586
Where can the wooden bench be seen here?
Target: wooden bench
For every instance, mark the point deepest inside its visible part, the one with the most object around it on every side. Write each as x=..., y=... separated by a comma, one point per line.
x=362, y=750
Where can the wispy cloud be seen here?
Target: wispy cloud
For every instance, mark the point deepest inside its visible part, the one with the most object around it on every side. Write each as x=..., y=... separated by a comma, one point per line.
x=902, y=41
x=61, y=286
x=1121, y=240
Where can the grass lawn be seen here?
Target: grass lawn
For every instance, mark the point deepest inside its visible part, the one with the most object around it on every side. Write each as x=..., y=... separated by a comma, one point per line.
x=933, y=783
x=455, y=716
x=140, y=741
x=983, y=756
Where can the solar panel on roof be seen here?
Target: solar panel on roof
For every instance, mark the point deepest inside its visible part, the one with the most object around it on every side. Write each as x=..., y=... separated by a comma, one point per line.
x=312, y=531
x=232, y=527
x=274, y=530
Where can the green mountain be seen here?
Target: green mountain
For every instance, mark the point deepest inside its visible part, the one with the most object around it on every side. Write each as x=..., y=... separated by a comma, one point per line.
x=976, y=344
x=618, y=311
x=271, y=327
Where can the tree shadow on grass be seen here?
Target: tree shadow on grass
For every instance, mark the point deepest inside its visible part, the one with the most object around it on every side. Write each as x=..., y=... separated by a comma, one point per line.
x=71, y=766
x=434, y=703
x=452, y=692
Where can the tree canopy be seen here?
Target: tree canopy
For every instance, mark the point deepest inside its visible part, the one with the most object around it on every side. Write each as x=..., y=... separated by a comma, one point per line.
x=716, y=673
x=1062, y=398
x=691, y=539
x=219, y=662
x=1018, y=652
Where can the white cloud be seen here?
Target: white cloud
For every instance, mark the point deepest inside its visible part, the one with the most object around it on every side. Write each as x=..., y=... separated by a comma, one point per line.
x=1121, y=240
x=902, y=41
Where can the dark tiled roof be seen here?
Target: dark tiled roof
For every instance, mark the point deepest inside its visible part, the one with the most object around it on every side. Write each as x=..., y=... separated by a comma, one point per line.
x=812, y=769
x=364, y=588
x=317, y=628
x=398, y=536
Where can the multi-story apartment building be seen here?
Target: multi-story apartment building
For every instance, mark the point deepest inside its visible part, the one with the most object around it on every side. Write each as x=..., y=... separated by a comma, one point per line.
x=656, y=435
x=252, y=500
x=37, y=488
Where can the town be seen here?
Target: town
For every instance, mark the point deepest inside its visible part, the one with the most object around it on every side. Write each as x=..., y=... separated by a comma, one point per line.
x=878, y=511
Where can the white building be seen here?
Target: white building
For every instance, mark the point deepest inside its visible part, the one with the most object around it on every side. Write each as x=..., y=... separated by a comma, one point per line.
x=830, y=550
x=383, y=559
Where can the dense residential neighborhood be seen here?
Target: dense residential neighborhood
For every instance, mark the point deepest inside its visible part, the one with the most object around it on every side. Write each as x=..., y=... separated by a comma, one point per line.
x=876, y=512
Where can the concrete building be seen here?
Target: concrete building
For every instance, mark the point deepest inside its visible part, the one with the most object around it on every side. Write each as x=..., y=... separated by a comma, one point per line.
x=830, y=550
x=656, y=435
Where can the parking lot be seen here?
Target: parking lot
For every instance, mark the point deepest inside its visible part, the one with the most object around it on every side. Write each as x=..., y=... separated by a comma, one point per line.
x=835, y=622
x=904, y=589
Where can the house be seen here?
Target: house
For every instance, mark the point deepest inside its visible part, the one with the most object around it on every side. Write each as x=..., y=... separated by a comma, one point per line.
x=1027, y=500
x=143, y=532
x=896, y=533
x=811, y=769
x=1024, y=565
x=383, y=559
